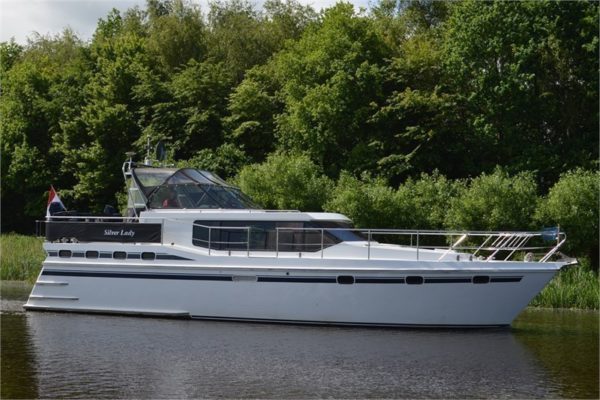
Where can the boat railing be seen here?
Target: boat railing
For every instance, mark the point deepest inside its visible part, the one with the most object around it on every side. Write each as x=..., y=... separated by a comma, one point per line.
x=476, y=245
x=480, y=245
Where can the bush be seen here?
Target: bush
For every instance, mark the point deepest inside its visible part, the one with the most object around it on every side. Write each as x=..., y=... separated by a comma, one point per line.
x=424, y=202
x=369, y=202
x=495, y=202
x=417, y=204
x=572, y=203
x=286, y=181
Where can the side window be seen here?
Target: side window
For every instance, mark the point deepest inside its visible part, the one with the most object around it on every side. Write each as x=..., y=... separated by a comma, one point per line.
x=290, y=236
x=263, y=236
x=293, y=236
x=201, y=235
x=234, y=238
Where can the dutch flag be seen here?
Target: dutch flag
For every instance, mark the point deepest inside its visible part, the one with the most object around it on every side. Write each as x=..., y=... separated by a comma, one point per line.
x=54, y=203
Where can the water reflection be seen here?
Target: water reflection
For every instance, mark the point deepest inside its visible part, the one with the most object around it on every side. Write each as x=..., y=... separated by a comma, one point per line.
x=69, y=355
x=17, y=359
x=566, y=343
x=111, y=357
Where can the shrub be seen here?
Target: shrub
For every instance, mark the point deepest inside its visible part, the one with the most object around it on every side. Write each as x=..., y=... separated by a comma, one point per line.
x=425, y=202
x=495, y=202
x=572, y=203
x=286, y=181
x=417, y=204
x=369, y=202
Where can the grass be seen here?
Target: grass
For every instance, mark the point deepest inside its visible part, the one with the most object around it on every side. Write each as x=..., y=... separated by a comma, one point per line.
x=21, y=259
x=574, y=287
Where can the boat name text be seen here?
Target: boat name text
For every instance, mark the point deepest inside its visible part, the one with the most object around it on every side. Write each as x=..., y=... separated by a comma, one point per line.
x=122, y=232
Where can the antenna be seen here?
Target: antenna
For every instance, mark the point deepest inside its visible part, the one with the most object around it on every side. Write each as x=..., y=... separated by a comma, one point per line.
x=148, y=160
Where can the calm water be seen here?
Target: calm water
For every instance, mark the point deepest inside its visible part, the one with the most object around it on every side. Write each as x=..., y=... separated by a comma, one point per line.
x=546, y=354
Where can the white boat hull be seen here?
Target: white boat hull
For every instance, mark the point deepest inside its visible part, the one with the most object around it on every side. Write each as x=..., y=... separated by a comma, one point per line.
x=401, y=296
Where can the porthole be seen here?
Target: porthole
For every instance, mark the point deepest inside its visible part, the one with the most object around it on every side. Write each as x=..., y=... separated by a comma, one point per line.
x=119, y=255
x=64, y=253
x=148, y=256
x=414, y=280
x=91, y=254
x=479, y=279
x=345, y=280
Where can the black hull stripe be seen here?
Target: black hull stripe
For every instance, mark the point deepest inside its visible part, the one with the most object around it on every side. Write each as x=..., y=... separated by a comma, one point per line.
x=447, y=280
x=380, y=280
x=502, y=279
x=266, y=279
x=139, y=275
x=298, y=279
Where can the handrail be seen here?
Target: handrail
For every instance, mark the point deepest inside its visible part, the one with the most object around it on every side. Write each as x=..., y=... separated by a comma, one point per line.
x=495, y=245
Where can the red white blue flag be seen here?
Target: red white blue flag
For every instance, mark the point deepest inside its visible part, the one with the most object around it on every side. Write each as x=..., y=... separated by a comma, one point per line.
x=54, y=203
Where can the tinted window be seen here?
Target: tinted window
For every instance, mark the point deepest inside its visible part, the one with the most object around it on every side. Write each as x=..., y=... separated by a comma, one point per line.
x=265, y=235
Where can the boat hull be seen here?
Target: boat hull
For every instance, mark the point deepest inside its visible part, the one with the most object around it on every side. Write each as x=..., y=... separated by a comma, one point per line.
x=370, y=296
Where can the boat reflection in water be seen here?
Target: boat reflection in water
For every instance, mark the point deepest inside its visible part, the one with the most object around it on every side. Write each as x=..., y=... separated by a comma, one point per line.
x=102, y=356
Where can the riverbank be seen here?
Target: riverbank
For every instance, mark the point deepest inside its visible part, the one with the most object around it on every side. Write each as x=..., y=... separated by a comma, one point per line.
x=21, y=259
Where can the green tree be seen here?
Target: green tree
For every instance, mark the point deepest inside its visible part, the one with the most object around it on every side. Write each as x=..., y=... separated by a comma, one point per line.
x=528, y=75
x=92, y=143
x=31, y=110
x=253, y=106
x=176, y=33
x=226, y=160
x=331, y=81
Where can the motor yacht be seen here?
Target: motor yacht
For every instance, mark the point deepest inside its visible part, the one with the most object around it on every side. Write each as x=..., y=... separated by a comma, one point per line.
x=193, y=246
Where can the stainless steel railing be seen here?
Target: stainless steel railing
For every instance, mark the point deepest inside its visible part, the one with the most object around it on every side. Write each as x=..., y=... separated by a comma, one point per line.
x=494, y=243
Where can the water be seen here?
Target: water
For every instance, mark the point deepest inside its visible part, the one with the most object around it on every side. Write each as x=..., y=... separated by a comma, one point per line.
x=546, y=354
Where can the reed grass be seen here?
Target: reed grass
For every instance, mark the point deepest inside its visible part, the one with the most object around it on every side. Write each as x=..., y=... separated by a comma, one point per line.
x=21, y=257
x=574, y=287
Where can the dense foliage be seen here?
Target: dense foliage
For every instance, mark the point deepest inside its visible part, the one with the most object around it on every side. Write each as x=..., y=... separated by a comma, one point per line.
x=414, y=114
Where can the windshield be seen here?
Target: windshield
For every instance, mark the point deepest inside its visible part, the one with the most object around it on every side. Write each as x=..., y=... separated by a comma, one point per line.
x=189, y=188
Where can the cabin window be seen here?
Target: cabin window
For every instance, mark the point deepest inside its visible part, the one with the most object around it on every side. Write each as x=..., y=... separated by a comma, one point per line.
x=345, y=279
x=120, y=255
x=64, y=253
x=91, y=254
x=148, y=255
x=414, y=280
